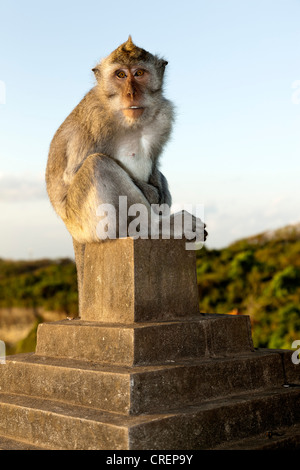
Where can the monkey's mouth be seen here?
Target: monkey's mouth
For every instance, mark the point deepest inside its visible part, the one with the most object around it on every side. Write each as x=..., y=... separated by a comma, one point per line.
x=133, y=111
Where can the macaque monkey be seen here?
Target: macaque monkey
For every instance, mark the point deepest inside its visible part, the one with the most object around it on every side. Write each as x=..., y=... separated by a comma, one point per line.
x=109, y=146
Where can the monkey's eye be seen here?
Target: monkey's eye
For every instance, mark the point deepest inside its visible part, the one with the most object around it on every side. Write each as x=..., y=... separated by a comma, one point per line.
x=121, y=74
x=139, y=73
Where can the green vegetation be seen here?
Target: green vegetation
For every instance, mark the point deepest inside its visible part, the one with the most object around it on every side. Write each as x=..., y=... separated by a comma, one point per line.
x=259, y=277
x=49, y=284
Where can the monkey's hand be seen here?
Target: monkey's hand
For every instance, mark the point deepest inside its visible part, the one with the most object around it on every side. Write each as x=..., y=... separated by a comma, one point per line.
x=186, y=224
x=150, y=192
x=158, y=180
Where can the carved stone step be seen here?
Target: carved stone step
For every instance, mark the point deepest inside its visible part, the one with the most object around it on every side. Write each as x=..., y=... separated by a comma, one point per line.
x=284, y=438
x=64, y=426
x=16, y=444
x=146, y=343
x=136, y=390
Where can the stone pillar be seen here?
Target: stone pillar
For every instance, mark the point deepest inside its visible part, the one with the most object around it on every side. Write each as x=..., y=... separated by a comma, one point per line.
x=128, y=281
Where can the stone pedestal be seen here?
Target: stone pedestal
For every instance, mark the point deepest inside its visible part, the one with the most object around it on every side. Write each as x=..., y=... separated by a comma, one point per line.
x=143, y=368
x=130, y=280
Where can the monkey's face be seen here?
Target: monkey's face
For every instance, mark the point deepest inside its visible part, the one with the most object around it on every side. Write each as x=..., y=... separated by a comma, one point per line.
x=133, y=92
x=132, y=84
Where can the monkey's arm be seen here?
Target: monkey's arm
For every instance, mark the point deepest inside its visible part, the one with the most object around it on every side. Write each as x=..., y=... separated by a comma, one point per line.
x=156, y=190
x=158, y=180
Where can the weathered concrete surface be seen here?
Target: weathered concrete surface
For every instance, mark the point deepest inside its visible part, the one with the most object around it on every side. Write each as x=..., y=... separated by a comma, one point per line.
x=291, y=370
x=130, y=280
x=146, y=343
x=283, y=438
x=221, y=420
x=63, y=426
x=17, y=444
x=139, y=390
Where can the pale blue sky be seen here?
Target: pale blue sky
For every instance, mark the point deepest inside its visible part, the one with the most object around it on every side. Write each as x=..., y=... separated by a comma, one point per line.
x=232, y=64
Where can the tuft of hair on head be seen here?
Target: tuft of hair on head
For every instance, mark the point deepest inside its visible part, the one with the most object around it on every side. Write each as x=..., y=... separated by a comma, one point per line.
x=130, y=54
x=128, y=46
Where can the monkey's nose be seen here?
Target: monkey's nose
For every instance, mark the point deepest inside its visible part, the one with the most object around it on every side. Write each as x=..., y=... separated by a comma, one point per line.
x=131, y=91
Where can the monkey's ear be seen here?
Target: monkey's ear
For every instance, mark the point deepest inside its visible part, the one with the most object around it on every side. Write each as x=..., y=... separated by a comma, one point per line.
x=162, y=65
x=96, y=72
